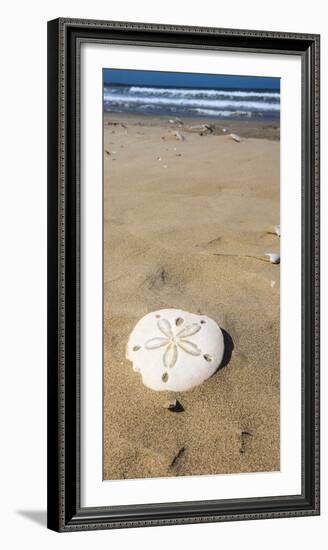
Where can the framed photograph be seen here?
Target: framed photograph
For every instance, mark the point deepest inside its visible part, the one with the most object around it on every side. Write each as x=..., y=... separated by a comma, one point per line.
x=183, y=275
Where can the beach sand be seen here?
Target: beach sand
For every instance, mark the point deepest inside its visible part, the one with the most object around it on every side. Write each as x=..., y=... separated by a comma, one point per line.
x=186, y=225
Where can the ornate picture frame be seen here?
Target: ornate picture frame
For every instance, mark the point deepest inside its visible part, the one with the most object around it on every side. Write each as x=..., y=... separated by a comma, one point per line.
x=65, y=38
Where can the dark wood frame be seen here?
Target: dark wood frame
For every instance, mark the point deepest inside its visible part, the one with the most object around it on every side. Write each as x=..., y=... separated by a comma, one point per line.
x=65, y=37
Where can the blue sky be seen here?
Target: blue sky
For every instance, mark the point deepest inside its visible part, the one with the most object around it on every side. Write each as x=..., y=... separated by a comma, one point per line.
x=161, y=78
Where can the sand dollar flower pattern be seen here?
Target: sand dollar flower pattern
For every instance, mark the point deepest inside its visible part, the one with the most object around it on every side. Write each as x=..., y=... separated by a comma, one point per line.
x=173, y=341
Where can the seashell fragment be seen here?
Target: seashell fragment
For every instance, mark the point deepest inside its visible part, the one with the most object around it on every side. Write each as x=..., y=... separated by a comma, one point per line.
x=173, y=406
x=273, y=258
x=174, y=350
x=201, y=129
x=173, y=134
x=176, y=121
x=235, y=137
x=178, y=136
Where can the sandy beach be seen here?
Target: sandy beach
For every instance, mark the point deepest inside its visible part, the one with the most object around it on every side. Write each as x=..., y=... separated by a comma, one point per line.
x=187, y=221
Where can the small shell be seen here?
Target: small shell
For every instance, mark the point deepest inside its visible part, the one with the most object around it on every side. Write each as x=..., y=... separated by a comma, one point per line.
x=202, y=129
x=273, y=258
x=178, y=136
x=175, y=121
x=235, y=137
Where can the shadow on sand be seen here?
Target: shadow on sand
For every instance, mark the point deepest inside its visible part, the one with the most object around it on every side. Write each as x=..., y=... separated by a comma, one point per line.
x=228, y=349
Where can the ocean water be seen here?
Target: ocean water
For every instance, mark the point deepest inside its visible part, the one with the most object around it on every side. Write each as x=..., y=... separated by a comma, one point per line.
x=193, y=102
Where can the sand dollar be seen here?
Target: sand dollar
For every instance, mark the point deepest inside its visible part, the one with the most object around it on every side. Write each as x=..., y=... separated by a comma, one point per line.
x=174, y=350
